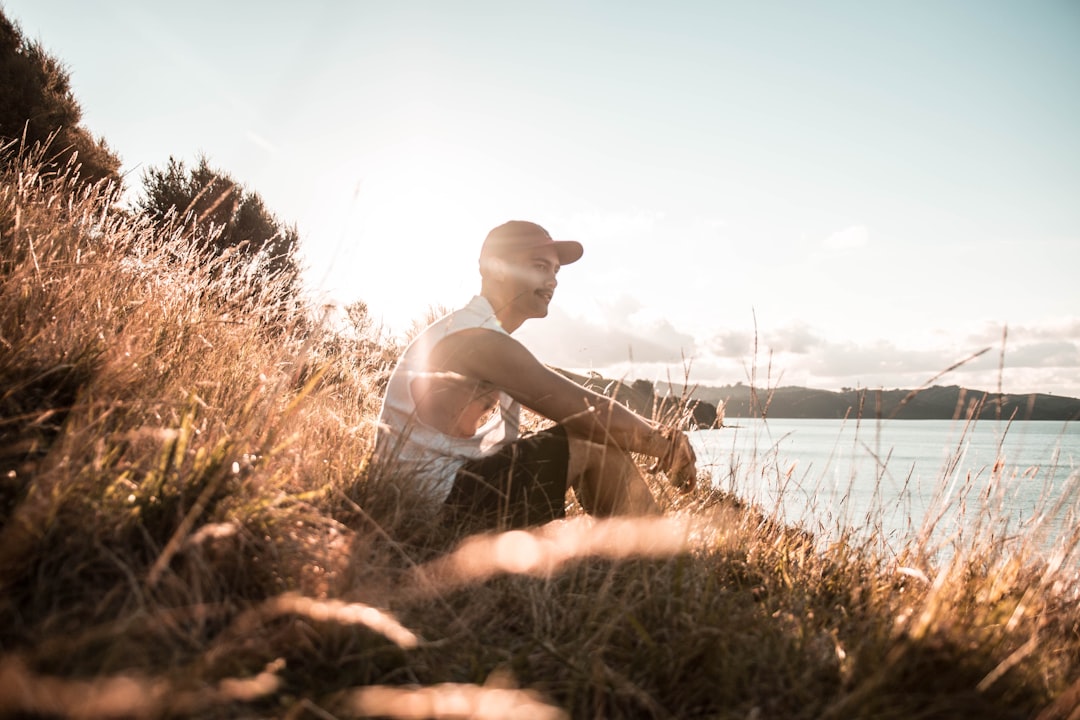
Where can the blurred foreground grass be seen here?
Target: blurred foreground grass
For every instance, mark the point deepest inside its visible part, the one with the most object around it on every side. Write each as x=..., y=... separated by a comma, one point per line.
x=189, y=528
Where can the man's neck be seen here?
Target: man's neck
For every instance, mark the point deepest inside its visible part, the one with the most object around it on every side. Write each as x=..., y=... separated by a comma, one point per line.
x=504, y=311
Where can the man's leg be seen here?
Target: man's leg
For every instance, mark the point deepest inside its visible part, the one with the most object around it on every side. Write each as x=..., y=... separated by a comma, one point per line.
x=523, y=483
x=607, y=481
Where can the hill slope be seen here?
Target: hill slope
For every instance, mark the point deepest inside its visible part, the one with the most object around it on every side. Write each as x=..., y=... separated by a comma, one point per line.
x=739, y=401
x=934, y=403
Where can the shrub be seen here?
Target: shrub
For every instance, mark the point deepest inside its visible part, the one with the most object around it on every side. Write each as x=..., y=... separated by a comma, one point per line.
x=39, y=109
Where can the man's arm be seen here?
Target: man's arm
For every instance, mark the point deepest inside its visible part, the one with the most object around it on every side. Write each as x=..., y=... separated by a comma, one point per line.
x=498, y=359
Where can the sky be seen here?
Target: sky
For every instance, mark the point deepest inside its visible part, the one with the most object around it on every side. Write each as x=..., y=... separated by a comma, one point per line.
x=829, y=194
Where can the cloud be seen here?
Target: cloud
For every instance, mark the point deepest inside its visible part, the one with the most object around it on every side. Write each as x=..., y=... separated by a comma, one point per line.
x=877, y=359
x=623, y=340
x=856, y=236
x=620, y=309
x=262, y=142
x=1028, y=367
x=1050, y=354
x=1052, y=344
x=796, y=338
x=731, y=344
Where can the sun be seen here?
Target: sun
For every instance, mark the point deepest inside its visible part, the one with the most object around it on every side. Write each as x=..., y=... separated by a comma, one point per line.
x=401, y=226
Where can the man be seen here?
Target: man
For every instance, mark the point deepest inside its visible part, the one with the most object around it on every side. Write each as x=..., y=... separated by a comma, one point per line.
x=450, y=416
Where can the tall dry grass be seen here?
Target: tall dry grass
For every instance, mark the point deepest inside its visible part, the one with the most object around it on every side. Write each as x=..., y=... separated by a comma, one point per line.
x=189, y=528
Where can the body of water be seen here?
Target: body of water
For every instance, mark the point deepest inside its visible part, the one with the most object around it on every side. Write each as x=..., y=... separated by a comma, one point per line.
x=893, y=477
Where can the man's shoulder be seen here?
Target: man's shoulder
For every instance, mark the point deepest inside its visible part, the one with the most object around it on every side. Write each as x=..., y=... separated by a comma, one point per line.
x=476, y=352
x=477, y=313
x=477, y=339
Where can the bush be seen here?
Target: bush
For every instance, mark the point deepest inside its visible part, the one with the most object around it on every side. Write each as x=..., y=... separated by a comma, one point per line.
x=38, y=108
x=221, y=216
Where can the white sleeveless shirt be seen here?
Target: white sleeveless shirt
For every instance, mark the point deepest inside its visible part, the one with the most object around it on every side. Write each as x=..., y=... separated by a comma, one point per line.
x=418, y=451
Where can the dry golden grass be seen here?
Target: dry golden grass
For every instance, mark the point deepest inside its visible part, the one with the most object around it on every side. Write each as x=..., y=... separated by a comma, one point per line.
x=189, y=528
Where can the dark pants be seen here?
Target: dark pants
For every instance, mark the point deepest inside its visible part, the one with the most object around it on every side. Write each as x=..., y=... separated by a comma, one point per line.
x=523, y=483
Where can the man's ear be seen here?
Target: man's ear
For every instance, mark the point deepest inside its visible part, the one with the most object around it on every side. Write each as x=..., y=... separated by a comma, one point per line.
x=494, y=268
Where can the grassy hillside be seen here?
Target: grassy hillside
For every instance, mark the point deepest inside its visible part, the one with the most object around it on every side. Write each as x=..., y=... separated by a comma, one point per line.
x=189, y=527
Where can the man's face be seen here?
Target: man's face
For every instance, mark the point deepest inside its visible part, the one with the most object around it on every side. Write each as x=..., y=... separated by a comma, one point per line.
x=530, y=278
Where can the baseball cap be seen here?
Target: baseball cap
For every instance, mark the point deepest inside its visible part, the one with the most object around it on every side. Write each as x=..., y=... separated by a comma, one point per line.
x=519, y=235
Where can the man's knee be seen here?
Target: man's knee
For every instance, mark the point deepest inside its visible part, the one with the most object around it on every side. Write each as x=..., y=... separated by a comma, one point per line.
x=591, y=457
x=607, y=481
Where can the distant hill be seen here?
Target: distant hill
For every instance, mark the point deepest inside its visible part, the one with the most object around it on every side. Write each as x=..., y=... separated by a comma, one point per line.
x=741, y=401
x=933, y=403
